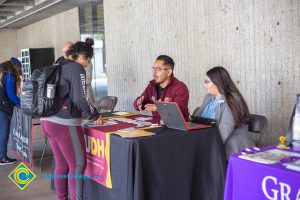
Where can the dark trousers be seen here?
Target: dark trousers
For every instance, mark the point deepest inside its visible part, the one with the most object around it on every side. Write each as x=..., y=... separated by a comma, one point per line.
x=4, y=133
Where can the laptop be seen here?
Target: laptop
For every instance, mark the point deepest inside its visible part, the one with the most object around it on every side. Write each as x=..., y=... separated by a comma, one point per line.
x=172, y=117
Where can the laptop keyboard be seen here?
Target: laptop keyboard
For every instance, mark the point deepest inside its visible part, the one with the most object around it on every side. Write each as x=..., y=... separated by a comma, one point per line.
x=193, y=124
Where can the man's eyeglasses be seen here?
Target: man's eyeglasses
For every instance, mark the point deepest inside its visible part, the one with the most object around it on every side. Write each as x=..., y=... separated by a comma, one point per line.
x=158, y=69
x=206, y=81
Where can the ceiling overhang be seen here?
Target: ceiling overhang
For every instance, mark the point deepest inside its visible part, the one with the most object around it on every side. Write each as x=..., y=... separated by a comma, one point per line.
x=19, y=13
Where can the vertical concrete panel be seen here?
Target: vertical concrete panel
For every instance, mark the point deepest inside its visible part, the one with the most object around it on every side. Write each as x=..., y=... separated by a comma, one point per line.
x=119, y=57
x=257, y=41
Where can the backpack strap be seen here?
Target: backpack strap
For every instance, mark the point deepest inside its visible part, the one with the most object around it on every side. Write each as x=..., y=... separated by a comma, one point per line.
x=57, y=77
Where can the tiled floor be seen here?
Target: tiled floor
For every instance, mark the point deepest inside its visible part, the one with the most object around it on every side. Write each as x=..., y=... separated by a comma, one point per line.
x=39, y=188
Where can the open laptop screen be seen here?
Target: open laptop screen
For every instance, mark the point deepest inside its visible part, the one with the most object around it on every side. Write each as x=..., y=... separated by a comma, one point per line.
x=171, y=115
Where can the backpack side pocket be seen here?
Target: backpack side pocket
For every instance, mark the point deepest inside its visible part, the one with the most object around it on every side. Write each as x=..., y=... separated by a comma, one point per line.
x=29, y=97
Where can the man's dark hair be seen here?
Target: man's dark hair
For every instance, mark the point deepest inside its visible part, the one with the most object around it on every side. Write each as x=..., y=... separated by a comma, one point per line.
x=167, y=60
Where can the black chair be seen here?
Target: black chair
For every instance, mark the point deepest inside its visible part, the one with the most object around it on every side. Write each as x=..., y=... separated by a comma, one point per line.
x=258, y=124
x=107, y=104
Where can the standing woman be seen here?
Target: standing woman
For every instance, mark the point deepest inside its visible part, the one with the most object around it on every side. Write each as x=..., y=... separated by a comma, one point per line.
x=225, y=104
x=64, y=128
x=9, y=81
x=18, y=66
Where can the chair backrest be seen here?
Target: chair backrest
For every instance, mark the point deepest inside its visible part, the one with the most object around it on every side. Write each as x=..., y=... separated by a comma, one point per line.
x=258, y=123
x=196, y=111
x=107, y=103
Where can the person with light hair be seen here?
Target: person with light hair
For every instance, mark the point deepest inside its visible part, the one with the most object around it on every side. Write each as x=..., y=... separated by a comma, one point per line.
x=65, y=48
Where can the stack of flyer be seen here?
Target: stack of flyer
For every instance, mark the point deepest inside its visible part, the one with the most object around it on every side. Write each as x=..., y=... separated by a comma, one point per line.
x=293, y=165
x=270, y=156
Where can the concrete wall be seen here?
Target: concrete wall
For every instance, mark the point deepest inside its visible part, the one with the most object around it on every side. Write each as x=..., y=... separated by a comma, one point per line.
x=51, y=32
x=8, y=45
x=257, y=41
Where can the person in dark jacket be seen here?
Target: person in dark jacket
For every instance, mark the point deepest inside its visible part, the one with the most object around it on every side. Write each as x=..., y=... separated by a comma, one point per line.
x=163, y=87
x=64, y=129
x=9, y=81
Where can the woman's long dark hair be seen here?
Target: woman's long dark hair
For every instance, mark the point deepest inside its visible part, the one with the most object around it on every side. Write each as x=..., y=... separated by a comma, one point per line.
x=9, y=66
x=237, y=104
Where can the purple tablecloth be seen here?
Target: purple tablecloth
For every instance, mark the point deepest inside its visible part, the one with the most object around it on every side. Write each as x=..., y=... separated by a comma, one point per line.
x=247, y=180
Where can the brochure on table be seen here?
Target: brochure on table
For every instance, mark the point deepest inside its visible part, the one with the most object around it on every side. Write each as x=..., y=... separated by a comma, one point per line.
x=270, y=156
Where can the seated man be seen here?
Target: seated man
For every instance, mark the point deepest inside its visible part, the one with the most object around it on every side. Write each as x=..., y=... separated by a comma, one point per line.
x=163, y=87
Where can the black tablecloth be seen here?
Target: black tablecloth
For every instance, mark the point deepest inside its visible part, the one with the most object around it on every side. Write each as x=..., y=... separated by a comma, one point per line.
x=172, y=165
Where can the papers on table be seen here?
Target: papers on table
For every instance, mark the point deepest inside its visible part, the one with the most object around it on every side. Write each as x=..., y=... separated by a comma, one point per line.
x=127, y=129
x=123, y=119
x=89, y=123
x=270, y=156
x=135, y=133
x=121, y=113
x=132, y=121
x=143, y=118
x=139, y=122
x=293, y=165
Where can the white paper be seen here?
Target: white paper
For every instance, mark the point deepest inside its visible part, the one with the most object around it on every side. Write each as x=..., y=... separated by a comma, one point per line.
x=93, y=124
x=269, y=157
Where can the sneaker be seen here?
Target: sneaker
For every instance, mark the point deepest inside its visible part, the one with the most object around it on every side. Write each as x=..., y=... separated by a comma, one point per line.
x=7, y=161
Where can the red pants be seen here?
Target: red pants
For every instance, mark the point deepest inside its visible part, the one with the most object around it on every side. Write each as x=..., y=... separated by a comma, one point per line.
x=68, y=147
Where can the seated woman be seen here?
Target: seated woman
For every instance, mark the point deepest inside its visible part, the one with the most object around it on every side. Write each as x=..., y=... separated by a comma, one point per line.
x=226, y=105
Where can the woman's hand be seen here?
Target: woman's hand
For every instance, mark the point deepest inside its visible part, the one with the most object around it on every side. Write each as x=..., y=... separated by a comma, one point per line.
x=100, y=120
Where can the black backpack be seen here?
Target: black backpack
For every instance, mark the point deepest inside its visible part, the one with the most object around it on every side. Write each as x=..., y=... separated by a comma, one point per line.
x=6, y=105
x=34, y=101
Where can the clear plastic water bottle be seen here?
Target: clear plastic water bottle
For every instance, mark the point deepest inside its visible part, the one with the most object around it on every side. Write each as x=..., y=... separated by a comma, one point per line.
x=50, y=91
